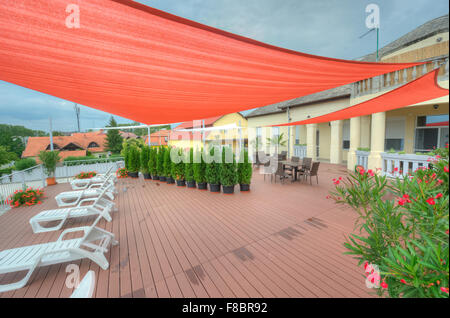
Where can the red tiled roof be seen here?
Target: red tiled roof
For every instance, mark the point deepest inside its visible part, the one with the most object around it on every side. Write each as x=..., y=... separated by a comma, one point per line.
x=442, y=123
x=190, y=124
x=37, y=144
x=155, y=137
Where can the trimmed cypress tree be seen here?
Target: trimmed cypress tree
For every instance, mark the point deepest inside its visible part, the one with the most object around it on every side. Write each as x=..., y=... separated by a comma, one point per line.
x=178, y=168
x=213, y=170
x=152, y=162
x=160, y=162
x=244, y=170
x=145, y=157
x=189, y=166
x=134, y=159
x=228, y=175
x=167, y=163
x=199, y=168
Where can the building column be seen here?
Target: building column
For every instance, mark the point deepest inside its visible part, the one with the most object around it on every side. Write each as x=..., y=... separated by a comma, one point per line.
x=336, y=142
x=377, y=140
x=291, y=146
x=355, y=142
x=365, y=132
x=311, y=146
x=410, y=126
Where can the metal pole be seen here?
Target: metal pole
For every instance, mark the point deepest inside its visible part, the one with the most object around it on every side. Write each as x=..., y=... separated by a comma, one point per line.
x=149, y=142
x=51, y=134
x=289, y=133
x=378, y=40
x=203, y=133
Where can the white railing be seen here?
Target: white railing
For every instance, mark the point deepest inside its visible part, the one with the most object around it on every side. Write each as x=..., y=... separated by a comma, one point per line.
x=397, y=165
x=300, y=151
x=36, y=177
x=362, y=158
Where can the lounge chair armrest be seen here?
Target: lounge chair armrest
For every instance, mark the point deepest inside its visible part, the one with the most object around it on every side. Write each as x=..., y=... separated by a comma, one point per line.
x=72, y=230
x=85, y=200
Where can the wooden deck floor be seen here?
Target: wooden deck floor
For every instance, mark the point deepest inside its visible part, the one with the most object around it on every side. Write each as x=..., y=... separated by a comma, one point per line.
x=276, y=241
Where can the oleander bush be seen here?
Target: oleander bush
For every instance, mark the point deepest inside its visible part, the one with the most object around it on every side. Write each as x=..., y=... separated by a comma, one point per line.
x=402, y=227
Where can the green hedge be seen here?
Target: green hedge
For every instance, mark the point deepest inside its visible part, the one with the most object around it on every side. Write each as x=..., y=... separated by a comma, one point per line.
x=213, y=170
x=167, y=165
x=152, y=161
x=228, y=176
x=244, y=169
x=178, y=169
x=144, y=158
x=189, y=166
x=160, y=162
x=199, y=168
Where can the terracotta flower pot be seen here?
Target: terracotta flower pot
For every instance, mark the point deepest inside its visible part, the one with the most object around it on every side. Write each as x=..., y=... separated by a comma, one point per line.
x=51, y=181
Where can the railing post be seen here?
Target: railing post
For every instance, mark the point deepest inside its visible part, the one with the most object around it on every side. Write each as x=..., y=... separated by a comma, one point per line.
x=42, y=176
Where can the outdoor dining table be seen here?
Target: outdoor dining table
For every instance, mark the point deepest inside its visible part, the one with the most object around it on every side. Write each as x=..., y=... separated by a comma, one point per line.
x=292, y=164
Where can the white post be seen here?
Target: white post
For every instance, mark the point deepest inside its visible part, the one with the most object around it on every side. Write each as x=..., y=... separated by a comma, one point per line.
x=51, y=134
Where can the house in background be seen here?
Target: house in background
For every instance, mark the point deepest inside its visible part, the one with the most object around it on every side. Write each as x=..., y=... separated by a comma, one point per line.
x=159, y=138
x=186, y=139
x=413, y=129
x=75, y=145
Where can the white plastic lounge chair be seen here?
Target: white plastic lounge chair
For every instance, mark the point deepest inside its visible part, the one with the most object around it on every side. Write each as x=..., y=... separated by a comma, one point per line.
x=93, y=245
x=86, y=287
x=100, y=206
x=71, y=198
x=82, y=184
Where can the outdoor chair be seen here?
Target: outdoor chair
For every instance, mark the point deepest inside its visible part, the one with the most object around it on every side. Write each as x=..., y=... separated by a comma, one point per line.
x=71, y=198
x=292, y=169
x=100, y=206
x=92, y=245
x=306, y=166
x=313, y=172
x=86, y=287
x=267, y=169
x=280, y=173
x=82, y=184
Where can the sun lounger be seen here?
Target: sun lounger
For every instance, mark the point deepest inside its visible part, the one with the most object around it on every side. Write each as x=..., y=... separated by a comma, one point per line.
x=100, y=206
x=82, y=184
x=86, y=287
x=71, y=198
x=93, y=245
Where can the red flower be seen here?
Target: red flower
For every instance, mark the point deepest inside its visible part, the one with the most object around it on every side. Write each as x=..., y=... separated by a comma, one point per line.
x=401, y=202
x=384, y=285
x=431, y=201
x=440, y=181
x=370, y=172
x=439, y=195
x=395, y=169
x=402, y=281
x=444, y=289
x=446, y=169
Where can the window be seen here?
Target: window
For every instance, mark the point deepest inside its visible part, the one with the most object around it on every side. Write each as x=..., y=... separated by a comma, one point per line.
x=431, y=132
x=346, y=135
x=93, y=145
x=275, y=131
x=297, y=135
x=395, y=133
x=55, y=146
x=346, y=144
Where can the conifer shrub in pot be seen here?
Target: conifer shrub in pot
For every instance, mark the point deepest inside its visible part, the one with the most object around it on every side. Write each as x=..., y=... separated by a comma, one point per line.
x=213, y=172
x=134, y=161
x=160, y=164
x=178, y=170
x=152, y=163
x=189, y=169
x=228, y=171
x=244, y=172
x=200, y=171
x=145, y=157
x=49, y=160
x=168, y=167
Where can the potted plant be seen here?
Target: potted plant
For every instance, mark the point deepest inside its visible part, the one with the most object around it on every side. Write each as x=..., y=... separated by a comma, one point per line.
x=145, y=157
x=168, y=167
x=200, y=171
x=160, y=164
x=228, y=176
x=213, y=173
x=189, y=169
x=152, y=164
x=277, y=141
x=244, y=172
x=134, y=161
x=178, y=170
x=49, y=160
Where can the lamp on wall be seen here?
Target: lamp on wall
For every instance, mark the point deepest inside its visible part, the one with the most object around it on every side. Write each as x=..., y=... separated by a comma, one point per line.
x=436, y=106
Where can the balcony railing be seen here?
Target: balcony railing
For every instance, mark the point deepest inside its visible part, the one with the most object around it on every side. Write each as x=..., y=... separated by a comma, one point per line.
x=300, y=151
x=362, y=158
x=397, y=165
x=395, y=79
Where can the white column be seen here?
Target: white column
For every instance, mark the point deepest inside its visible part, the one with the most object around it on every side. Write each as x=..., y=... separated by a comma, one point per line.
x=365, y=132
x=355, y=141
x=311, y=146
x=377, y=140
x=410, y=125
x=336, y=142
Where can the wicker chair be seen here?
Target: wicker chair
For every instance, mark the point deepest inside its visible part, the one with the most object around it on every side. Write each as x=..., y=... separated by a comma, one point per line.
x=281, y=173
x=314, y=172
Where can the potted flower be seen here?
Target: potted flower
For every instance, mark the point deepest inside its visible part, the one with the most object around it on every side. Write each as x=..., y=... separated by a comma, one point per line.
x=152, y=164
x=160, y=164
x=26, y=197
x=168, y=167
x=49, y=160
x=200, y=171
x=144, y=158
x=178, y=170
x=134, y=161
x=213, y=173
x=86, y=175
x=122, y=173
x=189, y=169
x=244, y=172
x=228, y=176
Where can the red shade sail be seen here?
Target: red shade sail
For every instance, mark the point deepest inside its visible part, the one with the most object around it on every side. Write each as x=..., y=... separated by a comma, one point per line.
x=150, y=66
x=420, y=90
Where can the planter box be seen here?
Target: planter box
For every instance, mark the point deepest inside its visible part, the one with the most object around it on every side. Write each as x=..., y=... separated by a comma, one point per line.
x=181, y=183
x=155, y=178
x=214, y=188
x=202, y=186
x=147, y=176
x=133, y=174
x=191, y=184
x=162, y=179
x=228, y=189
x=244, y=187
x=170, y=180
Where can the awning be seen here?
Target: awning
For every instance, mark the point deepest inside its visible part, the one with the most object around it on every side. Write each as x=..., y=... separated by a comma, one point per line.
x=152, y=67
x=420, y=90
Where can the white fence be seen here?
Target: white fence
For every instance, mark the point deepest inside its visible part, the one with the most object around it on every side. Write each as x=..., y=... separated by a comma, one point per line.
x=36, y=177
x=396, y=165
x=300, y=151
x=362, y=158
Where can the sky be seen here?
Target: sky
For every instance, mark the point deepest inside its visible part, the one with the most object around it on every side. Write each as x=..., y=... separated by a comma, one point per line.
x=322, y=27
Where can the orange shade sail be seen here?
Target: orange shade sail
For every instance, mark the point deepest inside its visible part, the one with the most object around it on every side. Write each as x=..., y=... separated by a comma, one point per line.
x=420, y=90
x=153, y=67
